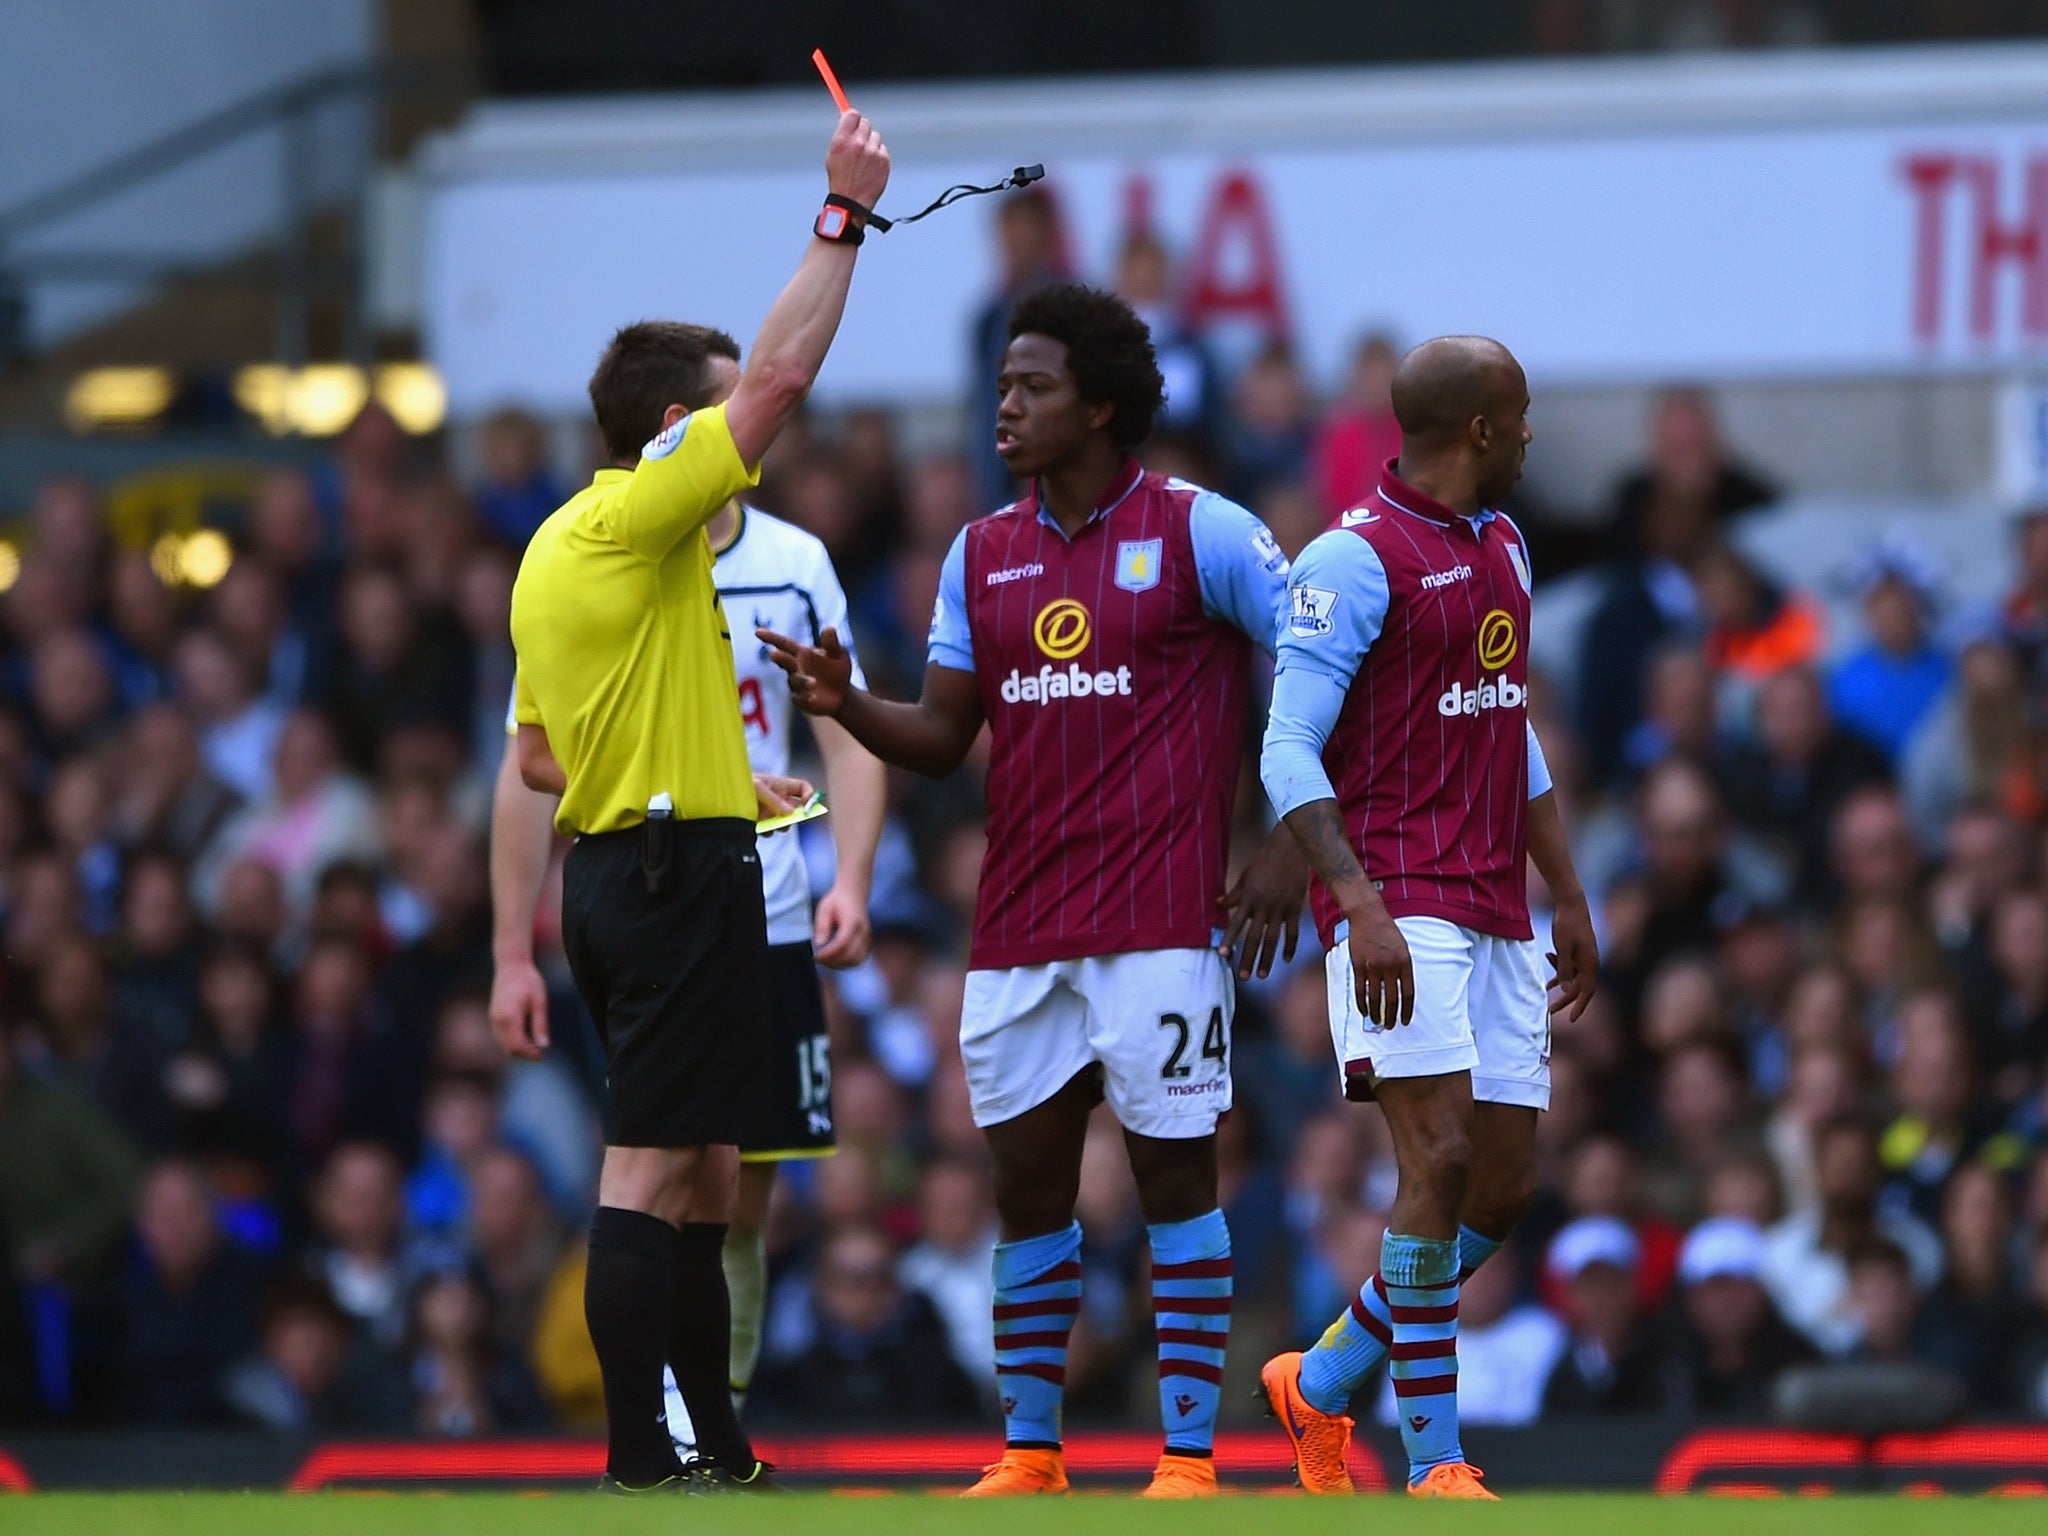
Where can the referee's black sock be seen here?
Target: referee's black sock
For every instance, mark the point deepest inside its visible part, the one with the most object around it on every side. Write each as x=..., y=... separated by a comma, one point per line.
x=626, y=1292
x=700, y=1344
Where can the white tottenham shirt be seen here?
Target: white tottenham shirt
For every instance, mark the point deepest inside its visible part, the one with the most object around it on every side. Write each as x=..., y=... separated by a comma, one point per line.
x=775, y=576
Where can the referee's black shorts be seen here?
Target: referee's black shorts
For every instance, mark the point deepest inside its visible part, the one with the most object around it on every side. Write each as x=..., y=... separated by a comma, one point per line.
x=678, y=983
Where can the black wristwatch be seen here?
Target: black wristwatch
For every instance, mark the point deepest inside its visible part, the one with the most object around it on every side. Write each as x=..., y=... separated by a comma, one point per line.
x=840, y=221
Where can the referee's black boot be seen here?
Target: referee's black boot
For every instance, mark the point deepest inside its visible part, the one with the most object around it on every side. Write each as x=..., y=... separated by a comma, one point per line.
x=675, y=1482
x=716, y=1477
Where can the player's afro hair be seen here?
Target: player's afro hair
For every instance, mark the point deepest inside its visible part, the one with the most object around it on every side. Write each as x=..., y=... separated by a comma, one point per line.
x=1109, y=351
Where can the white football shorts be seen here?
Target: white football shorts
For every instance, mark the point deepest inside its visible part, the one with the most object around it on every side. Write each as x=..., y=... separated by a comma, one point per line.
x=1157, y=1020
x=1480, y=1007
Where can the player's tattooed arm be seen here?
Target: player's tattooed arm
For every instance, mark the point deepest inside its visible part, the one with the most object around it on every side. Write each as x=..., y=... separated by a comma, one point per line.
x=1381, y=971
x=931, y=737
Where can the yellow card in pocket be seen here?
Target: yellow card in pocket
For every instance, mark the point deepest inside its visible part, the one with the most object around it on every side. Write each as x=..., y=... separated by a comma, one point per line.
x=810, y=810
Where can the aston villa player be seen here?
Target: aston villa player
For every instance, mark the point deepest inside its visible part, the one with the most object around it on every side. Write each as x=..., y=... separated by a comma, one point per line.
x=1400, y=752
x=1103, y=627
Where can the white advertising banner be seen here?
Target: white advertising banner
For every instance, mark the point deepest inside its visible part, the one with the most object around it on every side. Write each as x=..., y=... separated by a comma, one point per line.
x=1803, y=250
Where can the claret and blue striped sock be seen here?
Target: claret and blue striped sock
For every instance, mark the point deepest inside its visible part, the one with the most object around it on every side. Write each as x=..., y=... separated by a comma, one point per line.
x=1038, y=1296
x=1191, y=1285
x=1352, y=1348
x=1421, y=1274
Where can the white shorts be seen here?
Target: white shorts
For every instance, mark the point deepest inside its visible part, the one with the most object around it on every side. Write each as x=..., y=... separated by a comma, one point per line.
x=1480, y=1007
x=1158, y=1021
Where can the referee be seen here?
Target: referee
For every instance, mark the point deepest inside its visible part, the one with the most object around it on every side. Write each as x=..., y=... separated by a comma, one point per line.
x=624, y=706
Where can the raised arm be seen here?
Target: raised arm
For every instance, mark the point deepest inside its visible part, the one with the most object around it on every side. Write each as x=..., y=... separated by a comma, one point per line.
x=790, y=347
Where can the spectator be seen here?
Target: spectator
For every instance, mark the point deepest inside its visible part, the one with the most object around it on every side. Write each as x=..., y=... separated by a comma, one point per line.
x=392, y=669
x=1508, y=1350
x=1806, y=1256
x=459, y=1386
x=515, y=490
x=1144, y=281
x=1610, y=1364
x=238, y=729
x=309, y=1377
x=155, y=975
x=286, y=538
x=1970, y=746
x=1754, y=629
x=1689, y=465
x=1941, y=1120
x=1360, y=434
x=2028, y=1392
x=226, y=1084
x=163, y=794
x=1884, y=688
x=144, y=616
x=1882, y=1301
x=359, y=1252
x=515, y=1245
x=190, y=1305
x=66, y=1176
x=1823, y=1086
x=72, y=693
x=1788, y=786
x=483, y=602
x=950, y=1266
x=328, y=1084
x=880, y=1355
x=1986, y=860
x=1270, y=425
x=315, y=816
x=1975, y=1313
x=1678, y=710
x=1732, y=1343
x=1029, y=255
x=2016, y=1041
x=1702, y=1099
x=1870, y=846
x=248, y=611
x=2025, y=613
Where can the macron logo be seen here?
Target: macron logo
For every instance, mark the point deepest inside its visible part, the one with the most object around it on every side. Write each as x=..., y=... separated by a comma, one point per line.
x=1437, y=579
x=1015, y=573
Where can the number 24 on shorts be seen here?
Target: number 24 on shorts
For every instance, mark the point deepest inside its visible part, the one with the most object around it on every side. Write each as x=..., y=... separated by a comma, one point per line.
x=1214, y=1046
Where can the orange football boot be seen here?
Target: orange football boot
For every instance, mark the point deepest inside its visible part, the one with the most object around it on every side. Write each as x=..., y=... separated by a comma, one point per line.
x=1319, y=1439
x=1021, y=1472
x=1452, y=1480
x=1182, y=1477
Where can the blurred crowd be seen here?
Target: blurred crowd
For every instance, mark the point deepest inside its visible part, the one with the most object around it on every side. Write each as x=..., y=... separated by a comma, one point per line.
x=261, y=1162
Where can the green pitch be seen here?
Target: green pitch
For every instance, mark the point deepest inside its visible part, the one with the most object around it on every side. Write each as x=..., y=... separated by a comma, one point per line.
x=331, y=1514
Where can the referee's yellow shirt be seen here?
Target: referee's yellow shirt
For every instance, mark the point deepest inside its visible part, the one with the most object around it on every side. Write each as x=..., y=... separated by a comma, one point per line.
x=622, y=646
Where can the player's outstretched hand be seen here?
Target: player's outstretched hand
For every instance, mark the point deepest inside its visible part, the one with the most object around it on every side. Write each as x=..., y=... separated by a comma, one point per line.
x=1263, y=909
x=519, y=1008
x=820, y=675
x=857, y=161
x=1575, y=961
x=777, y=794
x=1381, y=969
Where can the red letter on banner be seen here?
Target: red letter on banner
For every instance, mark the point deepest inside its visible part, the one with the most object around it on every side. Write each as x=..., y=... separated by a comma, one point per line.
x=1929, y=177
x=1237, y=214
x=1995, y=242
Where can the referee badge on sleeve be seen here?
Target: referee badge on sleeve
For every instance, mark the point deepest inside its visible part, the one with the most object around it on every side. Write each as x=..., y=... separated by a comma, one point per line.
x=1138, y=562
x=667, y=440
